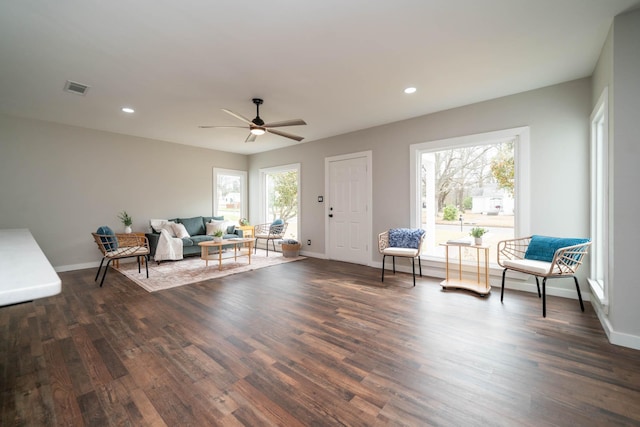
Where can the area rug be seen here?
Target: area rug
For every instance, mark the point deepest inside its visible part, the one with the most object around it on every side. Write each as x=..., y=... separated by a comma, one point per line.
x=170, y=274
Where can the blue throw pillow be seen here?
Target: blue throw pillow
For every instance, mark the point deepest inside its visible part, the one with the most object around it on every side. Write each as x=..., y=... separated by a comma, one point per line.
x=110, y=243
x=405, y=237
x=542, y=248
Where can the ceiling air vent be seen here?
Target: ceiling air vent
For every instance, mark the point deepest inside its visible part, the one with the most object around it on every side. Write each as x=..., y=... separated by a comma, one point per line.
x=74, y=87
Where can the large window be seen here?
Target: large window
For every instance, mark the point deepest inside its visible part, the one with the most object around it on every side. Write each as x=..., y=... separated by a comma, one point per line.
x=471, y=181
x=280, y=196
x=229, y=194
x=599, y=199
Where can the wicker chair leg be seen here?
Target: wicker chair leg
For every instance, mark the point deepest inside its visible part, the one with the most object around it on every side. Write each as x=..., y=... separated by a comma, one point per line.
x=255, y=247
x=106, y=268
x=413, y=268
x=544, y=297
x=579, y=294
x=99, y=268
x=383, y=258
x=146, y=264
x=502, y=291
x=538, y=285
x=420, y=265
x=394, y=265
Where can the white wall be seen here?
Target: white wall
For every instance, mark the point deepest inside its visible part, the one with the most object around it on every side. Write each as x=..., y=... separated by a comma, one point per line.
x=558, y=117
x=624, y=312
x=63, y=182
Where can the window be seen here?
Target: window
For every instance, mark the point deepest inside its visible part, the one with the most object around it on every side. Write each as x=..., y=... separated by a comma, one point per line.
x=280, y=196
x=229, y=194
x=472, y=181
x=600, y=199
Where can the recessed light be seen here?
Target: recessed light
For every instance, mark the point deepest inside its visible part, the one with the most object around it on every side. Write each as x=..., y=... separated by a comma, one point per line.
x=128, y=110
x=410, y=90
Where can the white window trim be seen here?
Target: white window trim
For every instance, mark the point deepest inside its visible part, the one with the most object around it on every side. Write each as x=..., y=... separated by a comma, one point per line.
x=600, y=288
x=522, y=226
x=263, y=189
x=243, y=188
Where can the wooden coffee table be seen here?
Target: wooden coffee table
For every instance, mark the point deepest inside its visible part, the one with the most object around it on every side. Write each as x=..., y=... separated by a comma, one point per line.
x=238, y=245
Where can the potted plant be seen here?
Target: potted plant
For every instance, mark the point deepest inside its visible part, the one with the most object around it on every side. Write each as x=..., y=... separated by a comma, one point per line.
x=477, y=233
x=126, y=221
x=217, y=236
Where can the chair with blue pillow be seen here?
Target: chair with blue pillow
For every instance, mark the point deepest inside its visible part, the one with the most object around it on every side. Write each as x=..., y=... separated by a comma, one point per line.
x=401, y=242
x=271, y=231
x=117, y=246
x=543, y=256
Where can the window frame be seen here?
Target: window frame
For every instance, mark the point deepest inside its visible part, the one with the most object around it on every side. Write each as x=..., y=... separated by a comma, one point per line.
x=599, y=280
x=522, y=187
x=262, y=199
x=244, y=196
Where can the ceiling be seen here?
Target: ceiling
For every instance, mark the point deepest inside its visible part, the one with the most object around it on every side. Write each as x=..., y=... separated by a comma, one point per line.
x=339, y=65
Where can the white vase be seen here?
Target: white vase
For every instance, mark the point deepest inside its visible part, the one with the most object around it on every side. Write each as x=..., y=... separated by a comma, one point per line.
x=478, y=241
x=127, y=229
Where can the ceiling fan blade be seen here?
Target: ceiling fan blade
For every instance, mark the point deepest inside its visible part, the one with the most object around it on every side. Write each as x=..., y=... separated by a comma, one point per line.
x=285, y=134
x=222, y=127
x=251, y=138
x=294, y=122
x=238, y=116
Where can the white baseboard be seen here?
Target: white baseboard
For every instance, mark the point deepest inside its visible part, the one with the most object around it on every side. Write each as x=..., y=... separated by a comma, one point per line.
x=313, y=254
x=72, y=267
x=617, y=338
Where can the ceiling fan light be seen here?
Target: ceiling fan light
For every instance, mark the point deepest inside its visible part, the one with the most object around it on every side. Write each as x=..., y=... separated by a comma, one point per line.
x=257, y=131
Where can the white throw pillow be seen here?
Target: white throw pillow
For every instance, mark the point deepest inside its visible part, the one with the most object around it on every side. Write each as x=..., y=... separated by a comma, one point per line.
x=215, y=225
x=168, y=225
x=181, y=231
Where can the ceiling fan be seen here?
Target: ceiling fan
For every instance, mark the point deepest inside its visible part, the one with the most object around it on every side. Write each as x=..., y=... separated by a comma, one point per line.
x=258, y=127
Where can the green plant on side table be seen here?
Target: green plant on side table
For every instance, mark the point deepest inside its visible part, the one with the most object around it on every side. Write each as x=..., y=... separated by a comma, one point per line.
x=477, y=233
x=126, y=220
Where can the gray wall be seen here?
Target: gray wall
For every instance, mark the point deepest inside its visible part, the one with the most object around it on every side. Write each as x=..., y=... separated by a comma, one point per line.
x=558, y=117
x=625, y=291
x=63, y=182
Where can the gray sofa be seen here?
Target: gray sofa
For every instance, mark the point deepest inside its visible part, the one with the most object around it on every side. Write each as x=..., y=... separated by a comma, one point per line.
x=196, y=227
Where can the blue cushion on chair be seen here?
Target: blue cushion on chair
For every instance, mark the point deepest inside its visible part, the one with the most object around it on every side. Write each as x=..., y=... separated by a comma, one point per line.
x=542, y=248
x=405, y=237
x=110, y=243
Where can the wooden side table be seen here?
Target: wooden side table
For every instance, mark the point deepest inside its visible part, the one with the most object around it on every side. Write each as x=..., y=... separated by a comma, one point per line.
x=247, y=231
x=481, y=285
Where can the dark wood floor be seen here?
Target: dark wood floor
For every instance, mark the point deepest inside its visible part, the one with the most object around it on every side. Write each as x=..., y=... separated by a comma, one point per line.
x=308, y=343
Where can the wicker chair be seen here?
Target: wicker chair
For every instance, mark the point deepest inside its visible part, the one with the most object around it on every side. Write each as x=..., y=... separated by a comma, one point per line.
x=118, y=246
x=512, y=255
x=269, y=232
x=413, y=253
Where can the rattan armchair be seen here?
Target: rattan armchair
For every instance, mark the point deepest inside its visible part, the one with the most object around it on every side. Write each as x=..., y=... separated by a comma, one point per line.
x=386, y=249
x=118, y=246
x=270, y=232
x=565, y=261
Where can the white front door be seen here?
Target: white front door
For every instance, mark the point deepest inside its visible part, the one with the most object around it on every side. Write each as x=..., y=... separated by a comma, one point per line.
x=348, y=208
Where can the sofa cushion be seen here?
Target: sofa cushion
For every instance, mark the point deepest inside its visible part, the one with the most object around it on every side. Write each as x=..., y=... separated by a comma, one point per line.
x=542, y=248
x=198, y=239
x=207, y=219
x=187, y=241
x=194, y=226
